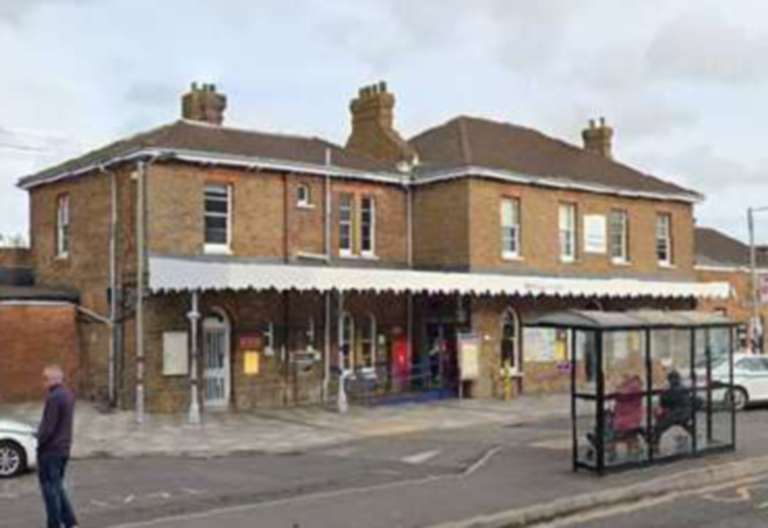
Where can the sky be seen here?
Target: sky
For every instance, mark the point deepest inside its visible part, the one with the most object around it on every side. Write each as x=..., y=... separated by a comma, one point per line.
x=684, y=83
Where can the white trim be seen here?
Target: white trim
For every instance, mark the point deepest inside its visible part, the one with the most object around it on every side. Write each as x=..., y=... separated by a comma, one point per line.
x=559, y=183
x=371, y=253
x=346, y=316
x=511, y=257
x=36, y=303
x=258, y=162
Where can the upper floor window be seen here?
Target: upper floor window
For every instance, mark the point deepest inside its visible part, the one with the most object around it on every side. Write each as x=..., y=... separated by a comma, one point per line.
x=62, y=226
x=618, y=235
x=664, y=239
x=510, y=228
x=367, y=226
x=303, y=195
x=218, y=217
x=567, y=225
x=346, y=210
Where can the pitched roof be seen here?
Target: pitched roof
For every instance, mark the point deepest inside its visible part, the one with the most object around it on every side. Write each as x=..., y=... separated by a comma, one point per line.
x=715, y=248
x=202, y=137
x=470, y=141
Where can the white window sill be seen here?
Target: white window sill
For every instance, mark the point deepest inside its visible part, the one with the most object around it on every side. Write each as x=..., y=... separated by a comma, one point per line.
x=514, y=374
x=347, y=255
x=369, y=256
x=512, y=257
x=62, y=256
x=621, y=262
x=567, y=260
x=215, y=249
x=305, y=206
x=667, y=265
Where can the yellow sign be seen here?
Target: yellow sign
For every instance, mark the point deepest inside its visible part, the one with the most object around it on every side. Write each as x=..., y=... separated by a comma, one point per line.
x=251, y=362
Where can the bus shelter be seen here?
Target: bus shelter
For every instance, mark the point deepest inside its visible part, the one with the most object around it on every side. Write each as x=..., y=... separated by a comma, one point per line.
x=647, y=386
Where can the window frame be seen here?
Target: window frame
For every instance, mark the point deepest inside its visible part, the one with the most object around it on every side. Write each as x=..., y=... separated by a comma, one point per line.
x=368, y=337
x=572, y=234
x=218, y=247
x=624, y=257
x=306, y=200
x=63, y=225
x=346, y=361
x=512, y=231
x=371, y=252
x=668, y=260
x=511, y=315
x=347, y=223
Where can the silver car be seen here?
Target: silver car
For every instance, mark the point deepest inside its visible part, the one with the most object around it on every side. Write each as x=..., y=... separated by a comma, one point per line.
x=18, y=448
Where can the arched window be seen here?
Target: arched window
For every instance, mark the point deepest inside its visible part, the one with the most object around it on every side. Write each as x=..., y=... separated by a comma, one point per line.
x=346, y=341
x=368, y=343
x=510, y=339
x=216, y=358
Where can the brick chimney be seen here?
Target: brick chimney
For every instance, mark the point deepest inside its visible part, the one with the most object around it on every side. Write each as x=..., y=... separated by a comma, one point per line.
x=203, y=103
x=598, y=138
x=373, y=132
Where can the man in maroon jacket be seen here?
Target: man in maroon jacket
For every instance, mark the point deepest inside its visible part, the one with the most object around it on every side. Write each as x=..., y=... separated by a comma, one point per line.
x=54, y=442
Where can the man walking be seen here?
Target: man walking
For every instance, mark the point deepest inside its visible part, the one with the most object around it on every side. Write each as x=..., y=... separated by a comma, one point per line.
x=54, y=441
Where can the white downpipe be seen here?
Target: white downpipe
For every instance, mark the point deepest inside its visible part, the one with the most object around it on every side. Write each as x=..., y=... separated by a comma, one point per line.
x=194, y=316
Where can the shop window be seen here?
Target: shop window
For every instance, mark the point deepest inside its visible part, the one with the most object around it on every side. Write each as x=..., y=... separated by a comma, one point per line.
x=62, y=226
x=346, y=341
x=510, y=341
x=269, y=339
x=310, y=335
x=368, y=343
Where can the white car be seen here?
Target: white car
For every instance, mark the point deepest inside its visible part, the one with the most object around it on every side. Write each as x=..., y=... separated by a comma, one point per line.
x=750, y=379
x=18, y=448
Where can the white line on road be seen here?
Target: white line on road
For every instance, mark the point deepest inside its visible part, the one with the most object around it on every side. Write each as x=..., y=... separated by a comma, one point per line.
x=420, y=458
x=315, y=496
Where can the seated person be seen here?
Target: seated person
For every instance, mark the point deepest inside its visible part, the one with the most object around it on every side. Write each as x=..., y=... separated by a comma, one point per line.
x=676, y=409
x=628, y=413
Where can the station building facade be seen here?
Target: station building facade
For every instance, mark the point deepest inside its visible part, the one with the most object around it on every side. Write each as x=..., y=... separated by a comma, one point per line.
x=259, y=268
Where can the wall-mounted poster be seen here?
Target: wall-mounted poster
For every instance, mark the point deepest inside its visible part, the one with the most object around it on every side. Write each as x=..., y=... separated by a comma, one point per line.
x=539, y=344
x=251, y=362
x=595, y=239
x=175, y=354
x=469, y=356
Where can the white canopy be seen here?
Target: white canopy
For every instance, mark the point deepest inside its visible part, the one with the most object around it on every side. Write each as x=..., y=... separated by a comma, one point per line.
x=167, y=274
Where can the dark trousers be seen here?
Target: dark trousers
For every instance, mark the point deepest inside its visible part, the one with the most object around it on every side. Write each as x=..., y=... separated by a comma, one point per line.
x=59, y=510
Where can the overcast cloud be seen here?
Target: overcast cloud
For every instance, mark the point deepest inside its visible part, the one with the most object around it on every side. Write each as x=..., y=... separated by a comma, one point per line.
x=683, y=83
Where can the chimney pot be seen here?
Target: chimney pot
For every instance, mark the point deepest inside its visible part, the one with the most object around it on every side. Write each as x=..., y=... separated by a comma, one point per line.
x=203, y=103
x=598, y=139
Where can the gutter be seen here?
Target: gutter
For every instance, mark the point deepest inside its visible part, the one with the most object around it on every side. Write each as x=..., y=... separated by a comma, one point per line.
x=253, y=162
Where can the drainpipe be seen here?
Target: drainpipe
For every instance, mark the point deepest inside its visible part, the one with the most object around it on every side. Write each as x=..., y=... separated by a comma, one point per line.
x=113, y=341
x=409, y=293
x=327, y=294
x=141, y=255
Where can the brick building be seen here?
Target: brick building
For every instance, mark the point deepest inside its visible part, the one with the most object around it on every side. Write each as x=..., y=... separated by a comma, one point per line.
x=722, y=258
x=38, y=326
x=269, y=263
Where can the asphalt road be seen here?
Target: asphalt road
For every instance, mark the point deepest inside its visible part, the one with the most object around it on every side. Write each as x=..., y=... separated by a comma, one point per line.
x=739, y=505
x=413, y=480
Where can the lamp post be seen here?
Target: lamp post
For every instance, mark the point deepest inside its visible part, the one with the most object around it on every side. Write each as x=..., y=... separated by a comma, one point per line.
x=753, y=271
x=194, y=316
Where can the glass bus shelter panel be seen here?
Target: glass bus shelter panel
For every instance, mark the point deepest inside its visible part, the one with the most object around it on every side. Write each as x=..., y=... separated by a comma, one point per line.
x=716, y=418
x=672, y=414
x=585, y=397
x=625, y=402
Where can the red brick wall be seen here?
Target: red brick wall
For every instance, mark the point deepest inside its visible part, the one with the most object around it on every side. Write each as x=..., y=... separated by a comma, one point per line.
x=33, y=336
x=15, y=258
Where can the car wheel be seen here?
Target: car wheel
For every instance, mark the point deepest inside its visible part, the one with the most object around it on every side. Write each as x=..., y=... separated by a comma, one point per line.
x=13, y=460
x=737, y=397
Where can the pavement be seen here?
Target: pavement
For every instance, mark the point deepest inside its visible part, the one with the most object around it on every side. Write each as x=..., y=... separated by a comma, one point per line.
x=117, y=434
x=497, y=473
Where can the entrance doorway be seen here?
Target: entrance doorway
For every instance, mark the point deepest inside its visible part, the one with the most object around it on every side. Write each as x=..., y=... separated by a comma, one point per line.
x=216, y=359
x=440, y=367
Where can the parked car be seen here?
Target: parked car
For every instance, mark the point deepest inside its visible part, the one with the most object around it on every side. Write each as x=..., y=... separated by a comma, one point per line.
x=750, y=379
x=18, y=448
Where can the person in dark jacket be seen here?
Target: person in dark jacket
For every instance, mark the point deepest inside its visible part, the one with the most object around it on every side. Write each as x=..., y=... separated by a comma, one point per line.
x=676, y=409
x=54, y=442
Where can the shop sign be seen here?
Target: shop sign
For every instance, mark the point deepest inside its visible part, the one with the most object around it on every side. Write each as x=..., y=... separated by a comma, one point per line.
x=251, y=362
x=251, y=341
x=595, y=240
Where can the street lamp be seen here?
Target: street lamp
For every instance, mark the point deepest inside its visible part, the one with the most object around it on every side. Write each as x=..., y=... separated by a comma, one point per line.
x=753, y=270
